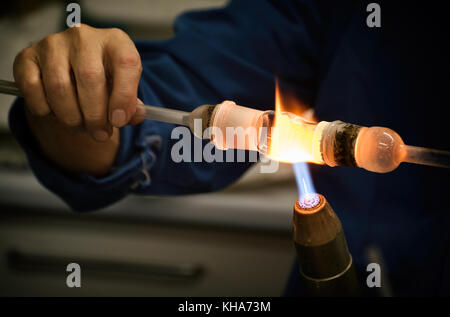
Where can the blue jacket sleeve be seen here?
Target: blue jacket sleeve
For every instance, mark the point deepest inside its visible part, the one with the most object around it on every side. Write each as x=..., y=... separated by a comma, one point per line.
x=231, y=53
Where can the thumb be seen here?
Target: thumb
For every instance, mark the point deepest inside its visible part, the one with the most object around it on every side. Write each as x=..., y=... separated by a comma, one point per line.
x=139, y=114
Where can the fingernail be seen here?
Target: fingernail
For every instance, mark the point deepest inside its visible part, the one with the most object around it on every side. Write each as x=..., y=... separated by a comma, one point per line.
x=119, y=118
x=100, y=135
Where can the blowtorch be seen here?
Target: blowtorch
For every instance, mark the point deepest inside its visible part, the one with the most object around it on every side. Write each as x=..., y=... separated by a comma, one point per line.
x=325, y=263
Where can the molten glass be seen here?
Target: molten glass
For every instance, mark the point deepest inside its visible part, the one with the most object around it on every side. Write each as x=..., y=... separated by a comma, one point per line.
x=287, y=137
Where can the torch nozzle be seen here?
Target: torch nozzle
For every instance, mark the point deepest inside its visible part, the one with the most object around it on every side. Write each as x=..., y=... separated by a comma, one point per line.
x=325, y=263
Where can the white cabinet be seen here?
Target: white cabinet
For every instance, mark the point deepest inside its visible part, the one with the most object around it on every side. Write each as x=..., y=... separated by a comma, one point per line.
x=129, y=259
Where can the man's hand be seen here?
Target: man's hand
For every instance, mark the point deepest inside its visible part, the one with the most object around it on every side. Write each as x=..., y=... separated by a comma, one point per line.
x=80, y=86
x=85, y=76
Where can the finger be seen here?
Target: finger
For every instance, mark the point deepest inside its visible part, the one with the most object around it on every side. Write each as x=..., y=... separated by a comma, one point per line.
x=125, y=68
x=28, y=78
x=139, y=114
x=58, y=85
x=87, y=65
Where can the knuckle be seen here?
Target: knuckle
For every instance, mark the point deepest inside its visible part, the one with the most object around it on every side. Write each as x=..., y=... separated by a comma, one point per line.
x=21, y=57
x=49, y=42
x=127, y=96
x=129, y=59
x=82, y=29
x=80, y=37
x=29, y=84
x=91, y=74
x=116, y=32
x=59, y=85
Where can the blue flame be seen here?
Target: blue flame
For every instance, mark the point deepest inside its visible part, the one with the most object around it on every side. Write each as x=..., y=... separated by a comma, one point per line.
x=306, y=191
x=303, y=178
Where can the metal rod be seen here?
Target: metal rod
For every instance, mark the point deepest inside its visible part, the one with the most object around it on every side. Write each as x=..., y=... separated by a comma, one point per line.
x=9, y=88
x=151, y=112
x=165, y=115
